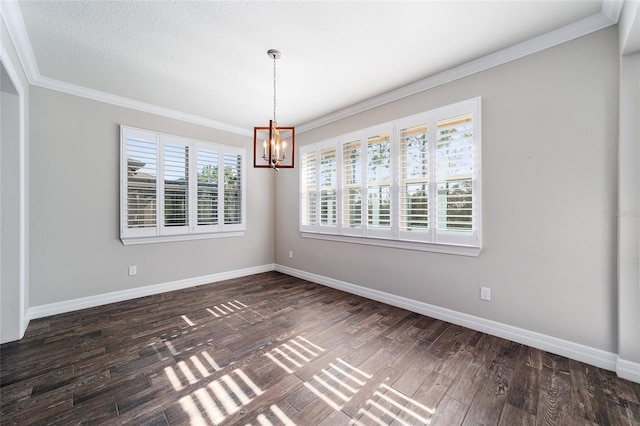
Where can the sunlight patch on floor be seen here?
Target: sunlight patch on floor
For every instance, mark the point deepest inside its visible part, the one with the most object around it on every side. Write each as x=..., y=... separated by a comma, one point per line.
x=294, y=354
x=217, y=400
x=188, y=321
x=337, y=385
x=391, y=406
x=226, y=308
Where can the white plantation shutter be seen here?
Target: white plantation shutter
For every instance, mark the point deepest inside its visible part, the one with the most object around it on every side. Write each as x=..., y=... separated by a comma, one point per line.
x=411, y=183
x=352, y=186
x=175, y=190
x=207, y=186
x=172, y=188
x=328, y=187
x=139, y=186
x=414, y=179
x=454, y=173
x=379, y=184
x=233, y=183
x=308, y=190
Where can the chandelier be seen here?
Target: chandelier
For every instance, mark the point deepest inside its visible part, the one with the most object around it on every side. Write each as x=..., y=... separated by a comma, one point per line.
x=274, y=146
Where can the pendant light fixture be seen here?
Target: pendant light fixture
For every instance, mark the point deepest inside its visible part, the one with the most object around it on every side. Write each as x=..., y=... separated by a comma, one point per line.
x=274, y=146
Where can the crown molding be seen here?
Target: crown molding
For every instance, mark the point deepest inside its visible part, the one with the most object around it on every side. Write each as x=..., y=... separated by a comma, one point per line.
x=553, y=38
x=612, y=9
x=609, y=15
x=18, y=33
x=96, y=95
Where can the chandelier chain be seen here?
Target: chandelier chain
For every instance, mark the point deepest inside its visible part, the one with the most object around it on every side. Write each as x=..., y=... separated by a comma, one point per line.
x=274, y=90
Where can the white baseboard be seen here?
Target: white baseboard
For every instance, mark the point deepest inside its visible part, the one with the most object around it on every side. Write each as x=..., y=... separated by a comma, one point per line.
x=628, y=370
x=119, y=296
x=625, y=369
x=576, y=351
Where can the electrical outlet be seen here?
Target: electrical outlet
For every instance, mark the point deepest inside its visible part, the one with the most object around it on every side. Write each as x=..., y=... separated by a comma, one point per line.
x=485, y=293
x=290, y=254
x=133, y=270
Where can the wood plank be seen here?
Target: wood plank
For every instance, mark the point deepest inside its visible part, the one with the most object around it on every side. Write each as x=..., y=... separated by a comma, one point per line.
x=335, y=418
x=489, y=401
x=449, y=412
x=422, y=405
x=466, y=384
x=587, y=399
x=525, y=389
x=515, y=416
x=554, y=401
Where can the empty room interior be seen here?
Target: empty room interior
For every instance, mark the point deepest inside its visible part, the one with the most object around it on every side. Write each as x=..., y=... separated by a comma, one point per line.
x=320, y=213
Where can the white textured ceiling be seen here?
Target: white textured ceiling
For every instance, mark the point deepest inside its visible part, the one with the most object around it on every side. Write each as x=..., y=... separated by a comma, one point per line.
x=208, y=58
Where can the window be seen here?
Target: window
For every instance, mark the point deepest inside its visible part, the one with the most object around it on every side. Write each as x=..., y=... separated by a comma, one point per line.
x=173, y=188
x=412, y=183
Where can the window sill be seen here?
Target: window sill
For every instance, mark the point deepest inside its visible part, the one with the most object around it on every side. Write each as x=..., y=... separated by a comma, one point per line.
x=460, y=250
x=130, y=241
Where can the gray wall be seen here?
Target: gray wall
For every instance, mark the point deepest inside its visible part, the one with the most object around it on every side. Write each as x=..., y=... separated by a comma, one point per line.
x=14, y=180
x=9, y=210
x=75, y=246
x=549, y=184
x=629, y=187
x=629, y=210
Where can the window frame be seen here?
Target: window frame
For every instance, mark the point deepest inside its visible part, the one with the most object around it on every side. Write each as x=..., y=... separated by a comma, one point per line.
x=433, y=239
x=158, y=231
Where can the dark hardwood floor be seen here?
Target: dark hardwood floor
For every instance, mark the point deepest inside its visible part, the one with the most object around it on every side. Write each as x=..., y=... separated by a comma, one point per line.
x=270, y=349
